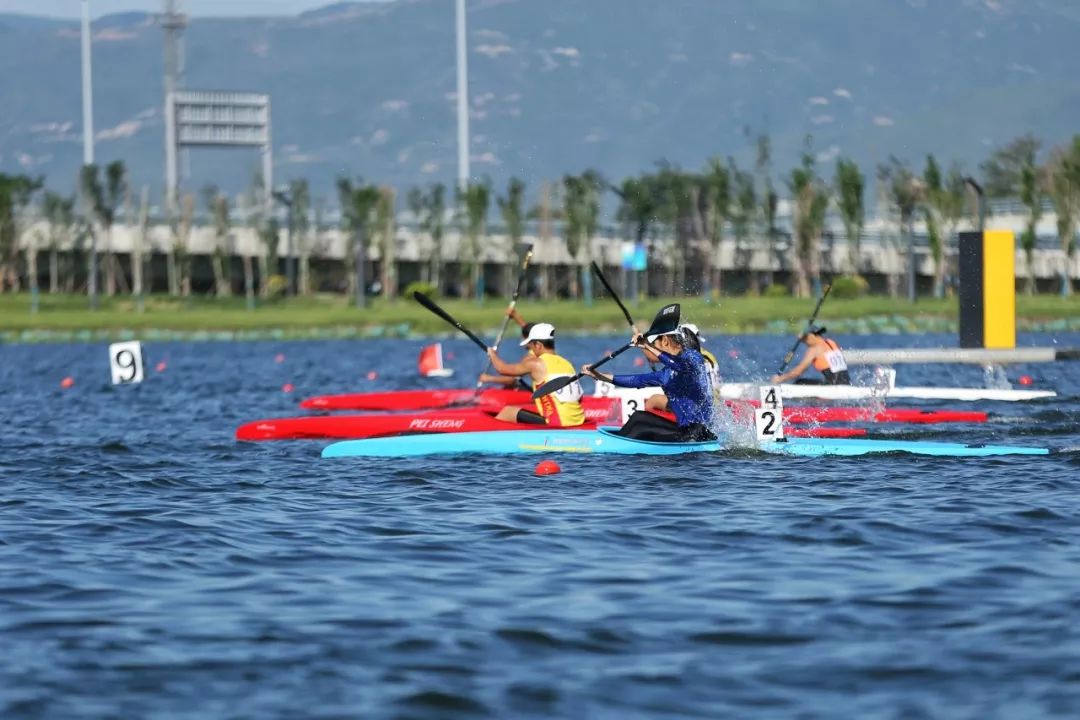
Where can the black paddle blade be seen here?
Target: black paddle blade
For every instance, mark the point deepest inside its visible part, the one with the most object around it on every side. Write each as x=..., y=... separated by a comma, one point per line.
x=433, y=307
x=666, y=321
x=552, y=386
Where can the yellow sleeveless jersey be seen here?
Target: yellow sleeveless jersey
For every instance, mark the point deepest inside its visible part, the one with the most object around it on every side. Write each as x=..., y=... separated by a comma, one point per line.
x=561, y=408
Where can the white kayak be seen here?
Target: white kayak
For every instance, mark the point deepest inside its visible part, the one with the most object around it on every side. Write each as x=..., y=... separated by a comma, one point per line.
x=749, y=391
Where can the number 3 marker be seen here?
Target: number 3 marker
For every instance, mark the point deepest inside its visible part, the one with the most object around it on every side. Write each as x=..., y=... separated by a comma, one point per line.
x=126, y=362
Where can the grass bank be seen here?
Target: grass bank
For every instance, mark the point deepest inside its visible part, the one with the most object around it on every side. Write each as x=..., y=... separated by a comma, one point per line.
x=61, y=316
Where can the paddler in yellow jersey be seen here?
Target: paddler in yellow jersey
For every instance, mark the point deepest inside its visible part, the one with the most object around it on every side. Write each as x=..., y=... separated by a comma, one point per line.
x=561, y=408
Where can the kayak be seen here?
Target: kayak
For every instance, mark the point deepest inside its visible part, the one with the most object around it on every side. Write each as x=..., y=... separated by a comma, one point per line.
x=746, y=391
x=802, y=415
x=403, y=400
x=328, y=427
x=604, y=441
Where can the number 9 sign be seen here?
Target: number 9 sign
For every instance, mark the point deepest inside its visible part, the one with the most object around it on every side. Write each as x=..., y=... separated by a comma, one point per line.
x=126, y=362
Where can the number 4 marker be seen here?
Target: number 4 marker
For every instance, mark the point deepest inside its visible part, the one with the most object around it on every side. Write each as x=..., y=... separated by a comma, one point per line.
x=126, y=362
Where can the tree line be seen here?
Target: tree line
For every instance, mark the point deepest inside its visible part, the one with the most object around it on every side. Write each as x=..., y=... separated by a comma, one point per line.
x=681, y=215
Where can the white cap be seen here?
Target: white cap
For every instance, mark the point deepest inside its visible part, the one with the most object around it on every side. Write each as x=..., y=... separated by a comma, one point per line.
x=694, y=329
x=652, y=338
x=539, y=331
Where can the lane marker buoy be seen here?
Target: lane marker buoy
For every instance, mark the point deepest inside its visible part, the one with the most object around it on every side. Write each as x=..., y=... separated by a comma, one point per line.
x=1025, y=380
x=67, y=382
x=288, y=387
x=548, y=467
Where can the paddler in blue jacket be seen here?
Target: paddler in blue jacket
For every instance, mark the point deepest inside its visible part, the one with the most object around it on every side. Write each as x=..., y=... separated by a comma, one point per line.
x=684, y=378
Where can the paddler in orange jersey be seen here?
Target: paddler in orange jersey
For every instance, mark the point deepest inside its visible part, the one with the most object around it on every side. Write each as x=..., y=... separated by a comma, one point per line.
x=826, y=357
x=561, y=408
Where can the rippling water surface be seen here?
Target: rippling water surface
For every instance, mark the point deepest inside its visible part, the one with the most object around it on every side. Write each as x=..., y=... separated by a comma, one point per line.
x=151, y=566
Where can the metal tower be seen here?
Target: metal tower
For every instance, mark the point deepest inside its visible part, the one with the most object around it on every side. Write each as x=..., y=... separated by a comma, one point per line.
x=173, y=23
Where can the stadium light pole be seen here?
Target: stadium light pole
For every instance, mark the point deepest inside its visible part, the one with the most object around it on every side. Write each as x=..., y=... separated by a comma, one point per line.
x=88, y=147
x=87, y=88
x=462, y=98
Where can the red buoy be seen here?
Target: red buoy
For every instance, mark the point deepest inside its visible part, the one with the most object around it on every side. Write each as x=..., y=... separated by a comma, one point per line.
x=548, y=467
x=638, y=361
x=279, y=358
x=1025, y=380
x=67, y=382
x=287, y=388
x=160, y=367
x=372, y=375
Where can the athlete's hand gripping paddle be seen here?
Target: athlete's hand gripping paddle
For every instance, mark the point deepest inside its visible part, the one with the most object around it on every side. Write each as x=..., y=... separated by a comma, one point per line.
x=666, y=321
x=509, y=310
x=809, y=324
x=430, y=305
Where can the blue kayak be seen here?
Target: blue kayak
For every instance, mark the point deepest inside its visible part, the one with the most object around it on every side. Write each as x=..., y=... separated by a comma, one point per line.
x=605, y=441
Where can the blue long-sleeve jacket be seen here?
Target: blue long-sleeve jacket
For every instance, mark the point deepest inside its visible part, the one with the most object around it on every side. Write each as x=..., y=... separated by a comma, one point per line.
x=685, y=381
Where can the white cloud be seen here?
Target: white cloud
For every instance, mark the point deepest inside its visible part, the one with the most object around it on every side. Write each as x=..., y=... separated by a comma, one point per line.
x=395, y=105
x=125, y=129
x=493, y=51
x=822, y=119
x=739, y=59
x=429, y=168
x=819, y=100
x=379, y=137
x=570, y=52
x=884, y=121
x=842, y=93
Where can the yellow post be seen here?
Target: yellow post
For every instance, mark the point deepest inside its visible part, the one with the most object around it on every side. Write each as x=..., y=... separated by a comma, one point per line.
x=999, y=289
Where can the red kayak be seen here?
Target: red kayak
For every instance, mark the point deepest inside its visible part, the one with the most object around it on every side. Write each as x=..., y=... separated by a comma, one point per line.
x=888, y=415
x=422, y=400
x=327, y=427
x=402, y=400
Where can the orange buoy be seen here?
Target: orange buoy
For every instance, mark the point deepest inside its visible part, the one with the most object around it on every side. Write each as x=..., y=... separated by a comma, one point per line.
x=1025, y=380
x=288, y=387
x=733, y=354
x=548, y=467
x=67, y=382
x=638, y=362
x=160, y=367
x=372, y=375
x=279, y=358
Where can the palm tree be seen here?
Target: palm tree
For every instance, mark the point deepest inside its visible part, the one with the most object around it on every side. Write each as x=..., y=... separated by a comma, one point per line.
x=357, y=206
x=435, y=224
x=1031, y=194
x=850, y=185
x=474, y=199
x=511, y=208
x=115, y=188
x=716, y=198
x=300, y=221
x=415, y=202
x=903, y=190
x=811, y=202
x=931, y=201
x=1064, y=187
x=60, y=213
x=742, y=217
x=384, y=227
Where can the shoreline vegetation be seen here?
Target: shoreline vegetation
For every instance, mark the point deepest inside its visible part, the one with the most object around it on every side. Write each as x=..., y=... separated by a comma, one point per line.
x=67, y=318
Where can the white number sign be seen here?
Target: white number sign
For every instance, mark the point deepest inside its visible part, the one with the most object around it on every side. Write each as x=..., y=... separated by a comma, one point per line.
x=126, y=362
x=769, y=424
x=771, y=397
x=836, y=361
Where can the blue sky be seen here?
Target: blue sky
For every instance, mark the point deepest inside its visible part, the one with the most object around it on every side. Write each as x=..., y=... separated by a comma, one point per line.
x=71, y=8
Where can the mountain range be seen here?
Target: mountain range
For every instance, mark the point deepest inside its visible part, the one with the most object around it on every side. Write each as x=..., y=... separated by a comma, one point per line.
x=558, y=86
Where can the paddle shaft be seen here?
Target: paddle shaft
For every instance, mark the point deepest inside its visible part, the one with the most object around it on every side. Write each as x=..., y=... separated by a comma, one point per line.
x=809, y=324
x=614, y=295
x=561, y=382
x=430, y=305
x=509, y=310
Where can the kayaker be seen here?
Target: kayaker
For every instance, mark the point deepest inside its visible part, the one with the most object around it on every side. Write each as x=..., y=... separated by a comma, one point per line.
x=693, y=340
x=683, y=376
x=826, y=357
x=511, y=383
x=561, y=408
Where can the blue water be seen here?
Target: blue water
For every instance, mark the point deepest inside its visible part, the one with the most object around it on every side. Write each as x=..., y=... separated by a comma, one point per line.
x=152, y=567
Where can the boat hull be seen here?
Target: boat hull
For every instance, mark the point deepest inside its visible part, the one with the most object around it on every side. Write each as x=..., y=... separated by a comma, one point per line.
x=605, y=442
